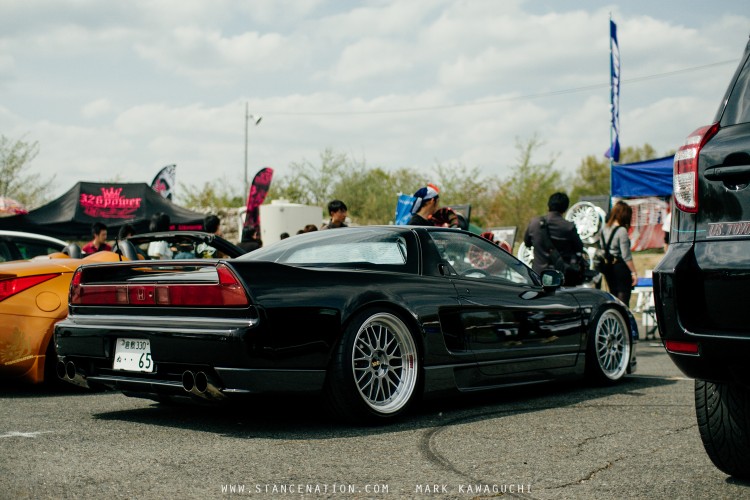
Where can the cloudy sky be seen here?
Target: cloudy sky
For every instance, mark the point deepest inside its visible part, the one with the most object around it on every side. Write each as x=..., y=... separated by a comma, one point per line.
x=115, y=90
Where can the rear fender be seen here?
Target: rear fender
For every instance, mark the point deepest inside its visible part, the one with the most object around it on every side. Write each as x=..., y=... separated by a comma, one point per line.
x=385, y=305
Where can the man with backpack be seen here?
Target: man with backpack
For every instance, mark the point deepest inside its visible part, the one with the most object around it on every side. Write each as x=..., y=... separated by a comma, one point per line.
x=556, y=242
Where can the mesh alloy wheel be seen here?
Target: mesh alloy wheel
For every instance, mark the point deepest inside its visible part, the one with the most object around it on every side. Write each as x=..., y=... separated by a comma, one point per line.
x=611, y=345
x=384, y=363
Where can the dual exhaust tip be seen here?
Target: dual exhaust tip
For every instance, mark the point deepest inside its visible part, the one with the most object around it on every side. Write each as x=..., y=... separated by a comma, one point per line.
x=200, y=385
x=69, y=373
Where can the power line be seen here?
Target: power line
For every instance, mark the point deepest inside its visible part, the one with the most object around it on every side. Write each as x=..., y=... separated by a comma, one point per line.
x=524, y=97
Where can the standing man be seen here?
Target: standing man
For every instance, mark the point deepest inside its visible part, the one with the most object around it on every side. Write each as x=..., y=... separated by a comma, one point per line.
x=99, y=241
x=562, y=233
x=211, y=224
x=337, y=212
x=426, y=203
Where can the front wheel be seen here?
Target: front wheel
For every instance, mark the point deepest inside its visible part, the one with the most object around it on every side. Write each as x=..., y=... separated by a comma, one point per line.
x=376, y=370
x=723, y=413
x=609, y=346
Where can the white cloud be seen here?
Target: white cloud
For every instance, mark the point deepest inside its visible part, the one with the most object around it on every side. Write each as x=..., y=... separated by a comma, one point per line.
x=122, y=89
x=97, y=108
x=210, y=58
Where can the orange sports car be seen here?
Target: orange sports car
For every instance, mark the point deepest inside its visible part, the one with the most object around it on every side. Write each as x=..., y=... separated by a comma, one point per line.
x=34, y=296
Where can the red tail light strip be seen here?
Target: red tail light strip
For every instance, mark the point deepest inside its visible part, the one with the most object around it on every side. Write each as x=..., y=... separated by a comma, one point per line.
x=685, y=179
x=226, y=292
x=11, y=286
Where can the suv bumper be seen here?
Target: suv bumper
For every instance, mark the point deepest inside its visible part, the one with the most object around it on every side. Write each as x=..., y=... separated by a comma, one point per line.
x=681, y=300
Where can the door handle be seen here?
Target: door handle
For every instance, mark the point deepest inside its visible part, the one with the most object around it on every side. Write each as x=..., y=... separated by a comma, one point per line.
x=724, y=173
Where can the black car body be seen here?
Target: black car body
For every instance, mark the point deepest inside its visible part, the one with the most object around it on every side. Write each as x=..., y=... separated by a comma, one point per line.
x=702, y=284
x=371, y=317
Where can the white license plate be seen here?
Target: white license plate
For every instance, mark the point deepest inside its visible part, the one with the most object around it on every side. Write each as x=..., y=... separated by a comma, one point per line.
x=133, y=355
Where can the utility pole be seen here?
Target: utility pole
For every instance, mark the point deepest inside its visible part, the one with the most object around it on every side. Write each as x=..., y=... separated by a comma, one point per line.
x=256, y=121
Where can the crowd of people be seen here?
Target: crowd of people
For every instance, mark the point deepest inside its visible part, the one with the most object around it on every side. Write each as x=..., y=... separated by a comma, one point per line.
x=555, y=240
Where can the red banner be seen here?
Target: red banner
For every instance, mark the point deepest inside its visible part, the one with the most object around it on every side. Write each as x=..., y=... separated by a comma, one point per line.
x=258, y=192
x=646, y=225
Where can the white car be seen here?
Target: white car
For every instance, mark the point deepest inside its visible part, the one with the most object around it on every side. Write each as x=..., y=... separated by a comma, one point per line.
x=17, y=245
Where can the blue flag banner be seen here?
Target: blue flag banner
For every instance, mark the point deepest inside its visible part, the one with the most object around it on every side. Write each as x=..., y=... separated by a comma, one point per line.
x=403, y=209
x=614, y=94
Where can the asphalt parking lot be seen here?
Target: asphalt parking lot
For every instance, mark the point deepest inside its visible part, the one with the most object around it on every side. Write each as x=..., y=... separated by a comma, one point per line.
x=637, y=439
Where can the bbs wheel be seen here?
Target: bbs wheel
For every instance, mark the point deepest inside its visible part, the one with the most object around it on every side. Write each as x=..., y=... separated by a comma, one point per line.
x=609, y=345
x=723, y=413
x=376, y=369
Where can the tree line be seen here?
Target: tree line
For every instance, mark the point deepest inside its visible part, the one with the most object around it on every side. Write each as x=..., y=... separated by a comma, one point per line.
x=371, y=192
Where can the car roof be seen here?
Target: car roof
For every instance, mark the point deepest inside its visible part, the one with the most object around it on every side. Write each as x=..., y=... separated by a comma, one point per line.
x=33, y=236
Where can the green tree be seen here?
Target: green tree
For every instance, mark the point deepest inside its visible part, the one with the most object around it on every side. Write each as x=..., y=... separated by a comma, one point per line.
x=526, y=192
x=371, y=193
x=314, y=184
x=463, y=185
x=15, y=182
x=591, y=179
x=212, y=196
x=592, y=176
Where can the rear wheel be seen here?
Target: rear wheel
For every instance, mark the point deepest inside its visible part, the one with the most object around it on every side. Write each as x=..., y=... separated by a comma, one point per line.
x=723, y=413
x=609, y=345
x=376, y=370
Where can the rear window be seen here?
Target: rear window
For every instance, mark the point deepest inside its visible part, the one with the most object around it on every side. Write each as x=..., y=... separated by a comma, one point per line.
x=391, y=252
x=337, y=246
x=737, y=109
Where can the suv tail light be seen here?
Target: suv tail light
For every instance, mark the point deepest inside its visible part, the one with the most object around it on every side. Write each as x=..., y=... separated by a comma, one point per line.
x=227, y=291
x=685, y=179
x=11, y=286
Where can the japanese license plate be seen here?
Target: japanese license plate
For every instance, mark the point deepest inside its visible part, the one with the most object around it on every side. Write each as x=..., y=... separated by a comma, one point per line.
x=133, y=355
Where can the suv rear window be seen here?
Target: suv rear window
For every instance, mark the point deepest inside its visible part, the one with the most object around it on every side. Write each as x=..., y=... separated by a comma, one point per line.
x=738, y=106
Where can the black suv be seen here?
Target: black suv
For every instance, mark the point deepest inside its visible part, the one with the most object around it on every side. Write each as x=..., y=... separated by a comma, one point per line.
x=702, y=285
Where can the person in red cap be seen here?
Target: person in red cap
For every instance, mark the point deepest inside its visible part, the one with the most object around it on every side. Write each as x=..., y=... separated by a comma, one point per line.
x=426, y=203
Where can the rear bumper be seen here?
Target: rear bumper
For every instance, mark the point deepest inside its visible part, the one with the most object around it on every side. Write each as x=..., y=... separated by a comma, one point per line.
x=681, y=301
x=228, y=381
x=227, y=353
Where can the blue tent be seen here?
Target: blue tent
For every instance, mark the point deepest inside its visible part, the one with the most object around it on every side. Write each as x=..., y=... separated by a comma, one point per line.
x=642, y=179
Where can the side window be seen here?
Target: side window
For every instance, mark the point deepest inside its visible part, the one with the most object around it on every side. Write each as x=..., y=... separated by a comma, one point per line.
x=738, y=105
x=5, y=253
x=477, y=258
x=31, y=249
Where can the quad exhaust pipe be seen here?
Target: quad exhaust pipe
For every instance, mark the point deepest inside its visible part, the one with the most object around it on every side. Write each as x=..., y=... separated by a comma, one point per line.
x=201, y=385
x=69, y=373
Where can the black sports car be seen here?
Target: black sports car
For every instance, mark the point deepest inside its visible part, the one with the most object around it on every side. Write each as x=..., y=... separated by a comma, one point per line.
x=370, y=317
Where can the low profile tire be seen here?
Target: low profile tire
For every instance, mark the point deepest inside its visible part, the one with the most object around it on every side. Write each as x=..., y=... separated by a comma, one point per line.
x=723, y=413
x=376, y=370
x=609, y=346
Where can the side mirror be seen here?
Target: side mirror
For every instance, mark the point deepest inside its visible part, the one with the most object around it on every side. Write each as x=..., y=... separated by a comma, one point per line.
x=552, y=279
